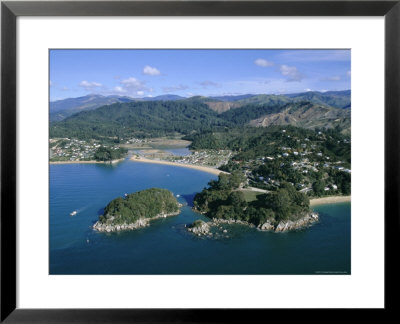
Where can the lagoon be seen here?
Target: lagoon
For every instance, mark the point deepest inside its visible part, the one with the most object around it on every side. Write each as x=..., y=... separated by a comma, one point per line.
x=166, y=247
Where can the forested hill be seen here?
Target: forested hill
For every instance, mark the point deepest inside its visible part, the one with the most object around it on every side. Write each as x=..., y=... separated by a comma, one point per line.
x=200, y=114
x=62, y=109
x=140, y=119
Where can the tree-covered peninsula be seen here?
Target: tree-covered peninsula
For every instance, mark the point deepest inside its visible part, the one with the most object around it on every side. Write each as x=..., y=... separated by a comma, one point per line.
x=280, y=210
x=137, y=209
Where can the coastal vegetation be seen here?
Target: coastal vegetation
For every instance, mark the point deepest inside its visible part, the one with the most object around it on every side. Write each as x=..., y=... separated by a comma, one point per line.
x=109, y=154
x=136, y=209
x=224, y=199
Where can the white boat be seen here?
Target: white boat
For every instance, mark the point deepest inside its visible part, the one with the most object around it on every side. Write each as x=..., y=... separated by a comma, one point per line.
x=178, y=196
x=126, y=195
x=73, y=213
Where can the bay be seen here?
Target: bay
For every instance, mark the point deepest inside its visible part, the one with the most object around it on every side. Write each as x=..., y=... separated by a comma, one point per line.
x=166, y=247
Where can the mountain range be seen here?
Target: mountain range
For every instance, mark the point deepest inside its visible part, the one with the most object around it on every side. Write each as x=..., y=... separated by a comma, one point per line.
x=61, y=109
x=111, y=116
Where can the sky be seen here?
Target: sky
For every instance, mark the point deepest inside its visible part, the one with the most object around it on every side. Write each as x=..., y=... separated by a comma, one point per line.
x=150, y=73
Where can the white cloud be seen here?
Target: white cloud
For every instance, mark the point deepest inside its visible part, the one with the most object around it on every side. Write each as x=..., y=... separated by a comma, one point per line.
x=133, y=85
x=127, y=87
x=291, y=73
x=148, y=70
x=263, y=63
x=90, y=85
x=307, y=90
x=119, y=89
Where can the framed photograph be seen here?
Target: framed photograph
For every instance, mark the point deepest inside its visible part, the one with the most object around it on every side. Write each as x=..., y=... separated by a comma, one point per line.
x=197, y=160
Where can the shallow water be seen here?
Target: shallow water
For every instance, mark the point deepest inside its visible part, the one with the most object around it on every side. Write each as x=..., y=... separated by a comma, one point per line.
x=179, y=151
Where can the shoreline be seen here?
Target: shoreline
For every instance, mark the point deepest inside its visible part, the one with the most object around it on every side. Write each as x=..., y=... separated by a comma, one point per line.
x=283, y=226
x=87, y=162
x=329, y=200
x=141, y=222
x=190, y=166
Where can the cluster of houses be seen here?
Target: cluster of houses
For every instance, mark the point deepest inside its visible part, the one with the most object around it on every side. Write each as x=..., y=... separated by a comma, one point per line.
x=305, y=158
x=66, y=149
x=135, y=141
x=213, y=158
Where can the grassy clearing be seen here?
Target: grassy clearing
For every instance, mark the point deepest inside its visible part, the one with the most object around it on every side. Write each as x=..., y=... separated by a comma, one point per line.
x=251, y=195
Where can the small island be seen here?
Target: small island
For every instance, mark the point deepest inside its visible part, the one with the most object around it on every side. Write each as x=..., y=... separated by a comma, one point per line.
x=224, y=201
x=137, y=210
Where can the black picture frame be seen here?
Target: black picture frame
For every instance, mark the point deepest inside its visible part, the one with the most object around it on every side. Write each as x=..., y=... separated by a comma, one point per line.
x=10, y=10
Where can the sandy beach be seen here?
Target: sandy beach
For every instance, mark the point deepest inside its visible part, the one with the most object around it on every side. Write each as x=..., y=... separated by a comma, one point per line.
x=191, y=166
x=329, y=200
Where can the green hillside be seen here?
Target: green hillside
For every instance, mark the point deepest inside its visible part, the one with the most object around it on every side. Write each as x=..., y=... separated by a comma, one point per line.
x=139, y=119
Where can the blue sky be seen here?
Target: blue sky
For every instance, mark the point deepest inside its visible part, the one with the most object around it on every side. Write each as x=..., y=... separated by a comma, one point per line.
x=149, y=73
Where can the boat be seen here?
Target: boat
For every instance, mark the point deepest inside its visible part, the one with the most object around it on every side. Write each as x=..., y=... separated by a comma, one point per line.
x=178, y=196
x=126, y=195
x=73, y=213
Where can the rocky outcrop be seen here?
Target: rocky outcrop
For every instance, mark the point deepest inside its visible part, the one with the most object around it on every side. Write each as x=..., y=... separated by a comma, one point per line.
x=218, y=221
x=267, y=226
x=289, y=225
x=141, y=222
x=215, y=227
x=201, y=228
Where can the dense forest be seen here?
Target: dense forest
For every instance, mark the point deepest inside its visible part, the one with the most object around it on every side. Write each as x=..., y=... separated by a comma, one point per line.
x=109, y=154
x=147, y=203
x=140, y=120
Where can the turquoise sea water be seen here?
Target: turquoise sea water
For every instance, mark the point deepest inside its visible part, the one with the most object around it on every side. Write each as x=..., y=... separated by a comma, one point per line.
x=166, y=247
